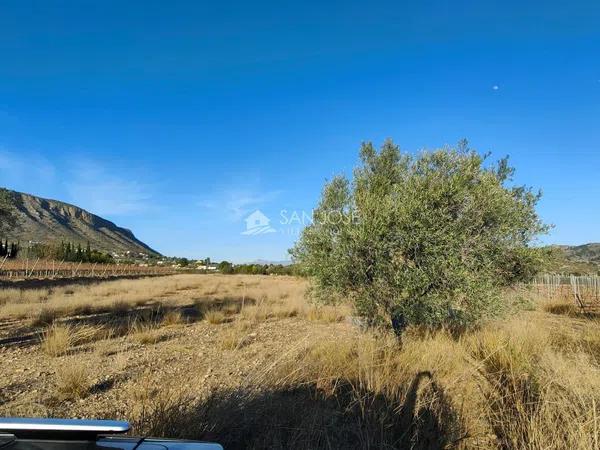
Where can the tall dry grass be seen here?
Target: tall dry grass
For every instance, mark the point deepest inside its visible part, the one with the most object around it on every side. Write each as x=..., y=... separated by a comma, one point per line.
x=529, y=382
x=58, y=339
x=42, y=306
x=73, y=381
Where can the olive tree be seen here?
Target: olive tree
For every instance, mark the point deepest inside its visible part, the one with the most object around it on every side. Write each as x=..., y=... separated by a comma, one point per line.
x=430, y=239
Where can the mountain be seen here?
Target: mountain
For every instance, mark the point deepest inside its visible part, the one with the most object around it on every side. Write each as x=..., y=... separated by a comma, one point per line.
x=43, y=220
x=575, y=258
x=266, y=262
x=583, y=253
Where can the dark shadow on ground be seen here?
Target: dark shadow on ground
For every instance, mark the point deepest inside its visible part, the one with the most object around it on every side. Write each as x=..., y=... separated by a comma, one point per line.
x=304, y=417
x=574, y=311
x=120, y=321
x=41, y=283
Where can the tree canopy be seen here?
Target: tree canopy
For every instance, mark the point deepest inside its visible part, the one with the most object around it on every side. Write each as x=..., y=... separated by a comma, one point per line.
x=428, y=239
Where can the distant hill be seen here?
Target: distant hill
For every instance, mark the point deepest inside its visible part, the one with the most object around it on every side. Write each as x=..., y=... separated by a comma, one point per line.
x=46, y=221
x=576, y=258
x=583, y=253
x=266, y=262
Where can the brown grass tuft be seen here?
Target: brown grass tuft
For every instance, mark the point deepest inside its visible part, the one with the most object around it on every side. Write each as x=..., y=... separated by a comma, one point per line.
x=73, y=381
x=57, y=340
x=43, y=317
x=145, y=334
x=327, y=314
x=237, y=336
x=215, y=317
x=173, y=318
x=561, y=307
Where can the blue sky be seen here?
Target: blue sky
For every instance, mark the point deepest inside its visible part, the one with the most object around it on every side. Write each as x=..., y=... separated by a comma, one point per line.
x=178, y=119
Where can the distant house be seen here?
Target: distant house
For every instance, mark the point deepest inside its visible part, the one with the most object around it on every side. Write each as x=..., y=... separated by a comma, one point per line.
x=203, y=266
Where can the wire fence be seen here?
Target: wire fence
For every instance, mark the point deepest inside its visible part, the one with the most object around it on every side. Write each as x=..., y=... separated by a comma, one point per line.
x=583, y=290
x=49, y=269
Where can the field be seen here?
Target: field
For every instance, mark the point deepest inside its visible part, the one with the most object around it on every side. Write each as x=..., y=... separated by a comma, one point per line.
x=248, y=361
x=24, y=269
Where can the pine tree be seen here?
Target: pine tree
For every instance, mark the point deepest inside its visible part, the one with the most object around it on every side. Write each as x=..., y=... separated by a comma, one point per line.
x=14, y=250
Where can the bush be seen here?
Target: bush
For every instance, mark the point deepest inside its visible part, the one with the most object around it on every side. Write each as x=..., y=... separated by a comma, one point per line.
x=215, y=317
x=57, y=340
x=428, y=239
x=73, y=381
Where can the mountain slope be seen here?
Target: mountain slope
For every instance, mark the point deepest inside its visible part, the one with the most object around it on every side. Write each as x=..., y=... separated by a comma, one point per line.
x=575, y=259
x=43, y=220
x=584, y=253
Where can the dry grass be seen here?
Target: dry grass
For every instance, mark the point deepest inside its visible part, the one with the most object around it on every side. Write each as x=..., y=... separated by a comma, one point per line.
x=215, y=317
x=235, y=337
x=57, y=340
x=43, y=306
x=505, y=386
x=145, y=334
x=564, y=306
x=257, y=313
x=117, y=297
x=172, y=318
x=540, y=392
x=531, y=381
x=73, y=381
x=528, y=382
x=327, y=314
x=42, y=317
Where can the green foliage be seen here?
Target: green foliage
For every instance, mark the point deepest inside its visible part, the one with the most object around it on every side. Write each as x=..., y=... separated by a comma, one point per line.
x=428, y=239
x=225, y=267
x=8, y=218
x=9, y=250
x=67, y=251
x=256, y=269
x=183, y=262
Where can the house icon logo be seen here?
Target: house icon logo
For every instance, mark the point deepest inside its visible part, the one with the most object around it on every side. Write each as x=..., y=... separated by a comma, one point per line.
x=258, y=223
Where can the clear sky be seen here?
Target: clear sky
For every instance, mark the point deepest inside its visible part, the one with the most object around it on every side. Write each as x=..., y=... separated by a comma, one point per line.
x=178, y=119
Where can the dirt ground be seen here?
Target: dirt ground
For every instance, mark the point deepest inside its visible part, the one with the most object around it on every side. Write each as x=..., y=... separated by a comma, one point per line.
x=191, y=350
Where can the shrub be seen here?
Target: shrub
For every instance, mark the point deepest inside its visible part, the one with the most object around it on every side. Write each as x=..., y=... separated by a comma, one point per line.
x=172, y=318
x=120, y=307
x=72, y=381
x=215, y=317
x=326, y=313
x=145, y=334
x=57, y=340
x=256, y=313
x=235, y=337
x=429, y=239
x=44, y=316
